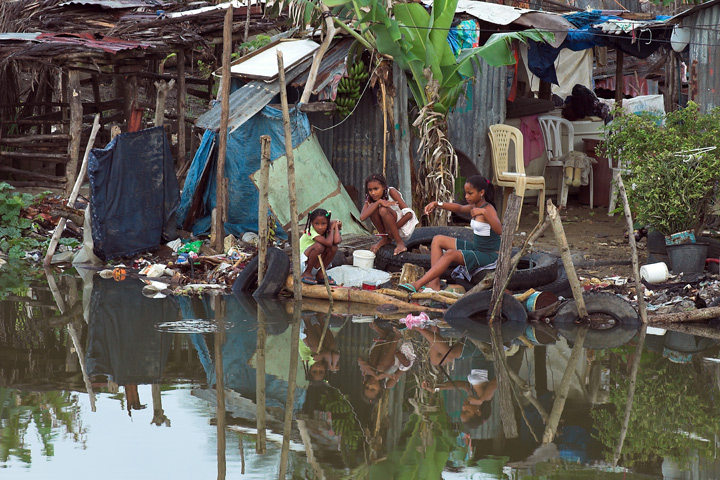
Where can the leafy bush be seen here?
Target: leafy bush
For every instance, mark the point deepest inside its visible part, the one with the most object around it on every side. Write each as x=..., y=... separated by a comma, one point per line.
x=667, y=188
x=13, y=227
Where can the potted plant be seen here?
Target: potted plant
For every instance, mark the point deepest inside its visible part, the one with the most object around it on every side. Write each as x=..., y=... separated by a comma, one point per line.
x=671, y=166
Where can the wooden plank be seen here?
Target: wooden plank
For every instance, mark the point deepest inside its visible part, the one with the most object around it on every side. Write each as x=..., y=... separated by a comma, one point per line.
x=13, y=140
x=43, y=157
x=33, y=175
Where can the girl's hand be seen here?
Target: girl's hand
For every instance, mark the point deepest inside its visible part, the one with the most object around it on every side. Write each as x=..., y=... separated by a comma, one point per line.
x=477, y=211
x=430, y=207
x=426, y=385
x=386, y=203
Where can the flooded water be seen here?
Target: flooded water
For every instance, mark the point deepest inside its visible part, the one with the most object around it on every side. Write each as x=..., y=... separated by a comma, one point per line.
x=99, y=381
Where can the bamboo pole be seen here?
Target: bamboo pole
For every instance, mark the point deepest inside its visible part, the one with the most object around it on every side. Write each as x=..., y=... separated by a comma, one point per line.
x=329, y=35
x=81, y=358
x=639, y=287
x=443, y=296
x=73, y=194
x=261, y=441
x=690, y=316
x=631, y=394
x=220, y=385
x=263, y=205
x=557, y=227
x=217, y=235
x=562, y=391
x=344, y=294
x=326, y=281
x=292, y=381
x=295, y=227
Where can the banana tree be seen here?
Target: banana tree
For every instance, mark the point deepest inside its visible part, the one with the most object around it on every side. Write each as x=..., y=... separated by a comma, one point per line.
x=417, y=40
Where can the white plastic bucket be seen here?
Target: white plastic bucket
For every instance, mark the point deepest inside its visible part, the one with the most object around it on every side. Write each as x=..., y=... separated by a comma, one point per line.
x=655, y=272
x=363, y=258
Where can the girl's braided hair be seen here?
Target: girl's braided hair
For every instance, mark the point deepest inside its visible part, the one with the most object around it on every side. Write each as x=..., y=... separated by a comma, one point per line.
x=318, y=212
x=376, y=177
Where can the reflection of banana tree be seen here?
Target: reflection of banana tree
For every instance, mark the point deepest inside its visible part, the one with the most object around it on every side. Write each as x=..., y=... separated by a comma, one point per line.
x=47, y=410
x=417, y=41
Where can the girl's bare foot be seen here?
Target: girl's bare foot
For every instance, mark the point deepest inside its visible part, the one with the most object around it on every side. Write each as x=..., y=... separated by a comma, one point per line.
x=400, y=248
x=384, y=240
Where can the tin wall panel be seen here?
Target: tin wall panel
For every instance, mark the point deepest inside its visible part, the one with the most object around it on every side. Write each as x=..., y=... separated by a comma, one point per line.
x=355, y=147
x=483, y=105
x=704, y=40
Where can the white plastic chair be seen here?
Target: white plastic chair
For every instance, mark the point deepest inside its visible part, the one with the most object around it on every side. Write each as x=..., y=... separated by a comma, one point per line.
x=552, y=130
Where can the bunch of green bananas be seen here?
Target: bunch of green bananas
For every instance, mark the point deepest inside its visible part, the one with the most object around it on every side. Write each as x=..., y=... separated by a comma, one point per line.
x=348, y=92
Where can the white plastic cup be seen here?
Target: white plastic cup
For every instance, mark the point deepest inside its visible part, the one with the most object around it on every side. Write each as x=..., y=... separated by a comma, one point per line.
x=655, y=272
x=363, y=259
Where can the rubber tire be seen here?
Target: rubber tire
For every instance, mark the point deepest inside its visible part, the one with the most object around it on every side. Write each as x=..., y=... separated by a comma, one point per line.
x=560, y=287
x=536, y=268
x=628, y=321
x=466, y=317
x=278, y=268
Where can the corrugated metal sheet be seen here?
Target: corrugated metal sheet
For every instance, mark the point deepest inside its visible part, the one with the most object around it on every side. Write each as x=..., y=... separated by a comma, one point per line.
x=704, y=49
x=106, y=44
x=355, y=146
x=483, y=106
x=334, y=57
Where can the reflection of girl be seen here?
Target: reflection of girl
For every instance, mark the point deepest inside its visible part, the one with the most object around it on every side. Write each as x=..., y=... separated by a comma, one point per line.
x=318, y=361
x=390, y=357
x=480, y=387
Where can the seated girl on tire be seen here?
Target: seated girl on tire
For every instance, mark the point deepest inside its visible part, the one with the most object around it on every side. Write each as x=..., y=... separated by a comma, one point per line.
x=388, y=212
x=482, y=252
x=319, y=240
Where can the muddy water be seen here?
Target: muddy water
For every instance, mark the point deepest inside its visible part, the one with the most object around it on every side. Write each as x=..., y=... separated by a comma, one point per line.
x=99, y=381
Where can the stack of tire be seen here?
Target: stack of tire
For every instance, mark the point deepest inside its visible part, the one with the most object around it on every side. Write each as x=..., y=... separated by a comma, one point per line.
x=538, y=270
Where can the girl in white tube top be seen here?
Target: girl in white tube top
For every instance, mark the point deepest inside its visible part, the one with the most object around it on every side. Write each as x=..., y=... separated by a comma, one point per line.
x=446, y=251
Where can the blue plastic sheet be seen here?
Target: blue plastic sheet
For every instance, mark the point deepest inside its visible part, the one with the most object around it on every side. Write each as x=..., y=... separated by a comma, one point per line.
x=242, y=160
x=134, y=193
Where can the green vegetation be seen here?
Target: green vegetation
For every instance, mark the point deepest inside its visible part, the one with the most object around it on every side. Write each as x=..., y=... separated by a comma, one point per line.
x=673, y=407
x=14, y=229
x=669, y=182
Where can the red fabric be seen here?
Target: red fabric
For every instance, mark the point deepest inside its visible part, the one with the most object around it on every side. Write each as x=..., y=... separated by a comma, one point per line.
x=533, y=143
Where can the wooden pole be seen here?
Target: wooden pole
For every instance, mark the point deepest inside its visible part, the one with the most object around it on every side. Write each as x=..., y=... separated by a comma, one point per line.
x=557, y=227
x=502, y=272
x=76, y=122
x=699, y=315
x=81, y=358
x=261, y=441
x=292, y=381
x=181, y=108
x=163, y=88
x=639, y=287
x=327, y=283
x=220, y=386
x=329, y=35
x=630, y=395
x=263, y=204
x=562, y=391
x=74, y=193
x=619, y=76
x=295, y=227
x=217, y=235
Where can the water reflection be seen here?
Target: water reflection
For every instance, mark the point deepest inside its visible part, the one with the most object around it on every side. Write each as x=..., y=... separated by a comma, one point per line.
x=368, y=398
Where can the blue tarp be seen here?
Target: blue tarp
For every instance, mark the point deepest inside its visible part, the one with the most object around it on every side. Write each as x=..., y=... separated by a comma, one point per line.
x=644, y=42
x=133, y=193
x=242, y=160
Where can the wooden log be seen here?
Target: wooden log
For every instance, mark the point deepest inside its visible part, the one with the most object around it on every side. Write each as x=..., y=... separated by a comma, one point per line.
x=702, y=314
x=619, y=76
x=181, y=150
x=406, y=296
x=42, y=157
x=33, y=175
x=329, y=35
x=639, y=287
x=315, y=107
x=220, y=410
x=217, y=234
x=260, y=421
x=344, y=294
x=263, y=205
x=162, y=89
x=708, y=331
x=292, y=382
x=557, y=227
x=564, y=387
x=31, y=139
x=75, y=128
x=73, y=194
x=502, y=275
x=294, y=221
x=630, y=395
